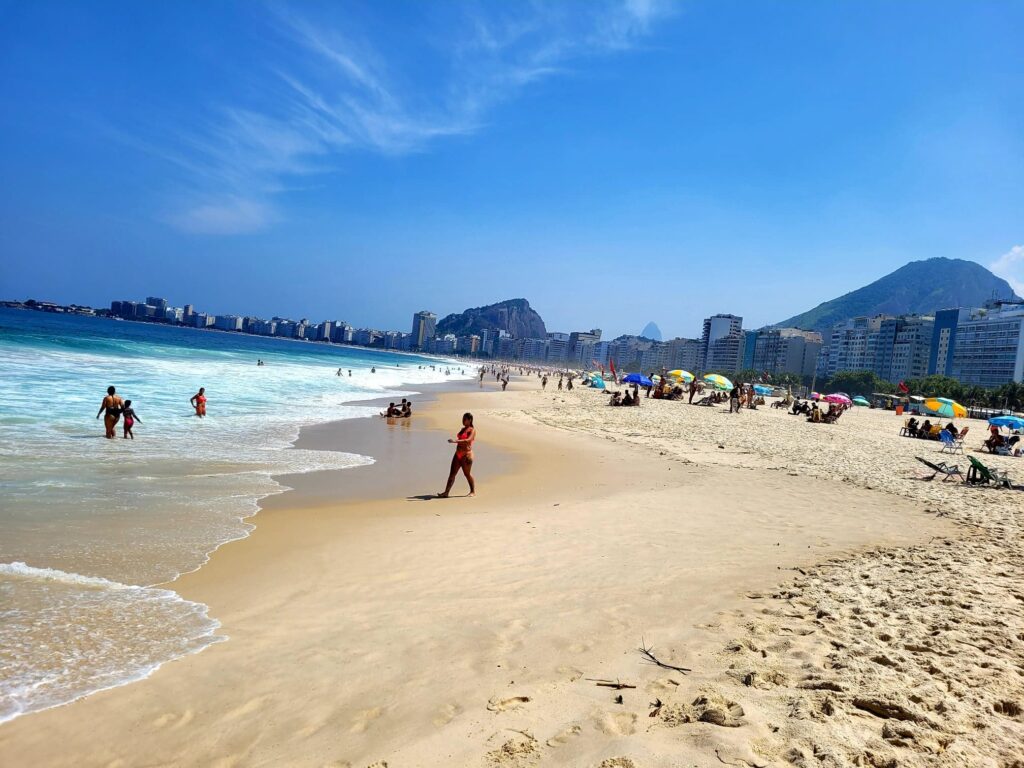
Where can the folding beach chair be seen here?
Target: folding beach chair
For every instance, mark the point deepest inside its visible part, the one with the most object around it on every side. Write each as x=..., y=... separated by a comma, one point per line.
x=943, y=469
x=979, y=474
x=905, y=429
x=950, y=444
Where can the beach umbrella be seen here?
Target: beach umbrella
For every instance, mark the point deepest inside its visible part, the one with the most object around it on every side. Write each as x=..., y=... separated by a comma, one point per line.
x=838, y=398
x=943, y=406
x=717, y=381
x=597, y=382
x=815, y=396
x=860, y=400
x=637, y=378
x=1010, y=422
x=679, y=373
x=761, y=389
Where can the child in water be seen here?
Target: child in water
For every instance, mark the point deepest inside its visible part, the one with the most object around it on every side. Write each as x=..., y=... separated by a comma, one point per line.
x=130, y=417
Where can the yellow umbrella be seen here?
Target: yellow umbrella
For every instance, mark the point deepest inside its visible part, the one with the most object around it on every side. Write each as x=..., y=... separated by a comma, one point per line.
x=943, y=406
x=681, y=374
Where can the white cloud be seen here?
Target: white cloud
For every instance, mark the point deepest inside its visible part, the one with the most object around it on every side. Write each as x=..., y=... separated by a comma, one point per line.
x=1010, y=267
x=334, y=93
x=225, y=216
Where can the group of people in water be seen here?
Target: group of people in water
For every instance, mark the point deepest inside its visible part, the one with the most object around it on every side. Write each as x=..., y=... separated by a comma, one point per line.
x=401, y=411
x=115, y=409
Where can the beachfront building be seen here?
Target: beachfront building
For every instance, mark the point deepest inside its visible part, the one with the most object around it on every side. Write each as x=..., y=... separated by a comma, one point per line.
x=159, y=305
x=904, y=346
x=424, y=327
x=186, y=313
x=940, y=355
x=685, y=354
x=989, y=345
x=852, y=344
x=227, y=323
x=468, y=345
x=722, y=342
x=786, y=350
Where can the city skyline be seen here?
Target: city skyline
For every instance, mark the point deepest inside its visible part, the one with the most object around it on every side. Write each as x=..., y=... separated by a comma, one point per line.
x=649, y=156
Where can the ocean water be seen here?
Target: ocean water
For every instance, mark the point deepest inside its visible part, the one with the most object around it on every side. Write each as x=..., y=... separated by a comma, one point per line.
x=89, y=526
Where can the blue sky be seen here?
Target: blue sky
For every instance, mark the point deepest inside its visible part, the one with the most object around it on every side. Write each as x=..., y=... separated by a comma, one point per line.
x=613, y=162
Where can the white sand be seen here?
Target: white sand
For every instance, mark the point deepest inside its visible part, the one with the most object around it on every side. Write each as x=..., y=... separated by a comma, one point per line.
x=462, y=632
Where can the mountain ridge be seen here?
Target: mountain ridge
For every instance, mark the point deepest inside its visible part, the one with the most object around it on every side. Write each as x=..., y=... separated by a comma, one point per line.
x=918, y=287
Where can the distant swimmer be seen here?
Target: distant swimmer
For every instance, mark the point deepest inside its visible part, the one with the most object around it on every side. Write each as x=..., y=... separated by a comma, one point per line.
x=198, y=401
x=463, y=458
x=339, y=371
x=112, y=405
x=130, y=417
x=373, y=370
x=350, y=373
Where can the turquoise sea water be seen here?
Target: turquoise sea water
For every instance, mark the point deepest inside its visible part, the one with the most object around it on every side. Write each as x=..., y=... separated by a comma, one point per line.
x=88, y=526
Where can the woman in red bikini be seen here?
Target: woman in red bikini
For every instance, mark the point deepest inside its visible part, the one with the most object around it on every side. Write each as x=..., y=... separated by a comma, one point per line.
x=198, y=401
x=463, y=458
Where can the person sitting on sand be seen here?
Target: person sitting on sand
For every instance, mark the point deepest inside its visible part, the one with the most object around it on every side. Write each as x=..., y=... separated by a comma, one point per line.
x=391, y=412
x=406, y=411
x=130, y=417
x=995, y=439
x=628, y=399
x=815, y=416
x=463, y=458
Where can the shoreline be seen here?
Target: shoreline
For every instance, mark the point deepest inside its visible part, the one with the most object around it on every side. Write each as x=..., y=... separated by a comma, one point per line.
x=559, y=472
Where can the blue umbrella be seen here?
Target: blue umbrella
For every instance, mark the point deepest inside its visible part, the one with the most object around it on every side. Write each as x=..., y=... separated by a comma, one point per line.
x=1010, y=422
x=761, y=389
x=637, y=378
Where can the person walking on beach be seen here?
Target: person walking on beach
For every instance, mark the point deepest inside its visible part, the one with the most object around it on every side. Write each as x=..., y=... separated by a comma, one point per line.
x=734, y=399
x=463, y=458
x=130, y=417
x=111, y=405
x=198, y=401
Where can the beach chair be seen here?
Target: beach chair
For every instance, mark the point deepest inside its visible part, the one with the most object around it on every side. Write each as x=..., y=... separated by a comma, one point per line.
x=950, y=444
x=905, y=429
x=943, y=469
x=979, y=474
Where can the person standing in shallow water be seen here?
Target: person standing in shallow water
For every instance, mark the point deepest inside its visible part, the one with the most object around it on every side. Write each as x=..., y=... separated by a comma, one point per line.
x=112, y=405
x=463, y=458
x=198, y=401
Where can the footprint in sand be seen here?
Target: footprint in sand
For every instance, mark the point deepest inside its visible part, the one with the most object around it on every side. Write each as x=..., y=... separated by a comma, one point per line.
x=252, y=705
x=173, y=721
x=364, y=719
x=446, y=714
x=616, y=723
x=564, y=736
x=503, y=705
x=617, y=762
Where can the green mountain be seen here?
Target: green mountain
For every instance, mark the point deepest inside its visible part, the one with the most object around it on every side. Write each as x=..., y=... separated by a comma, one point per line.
x=515, y=316
x=920, y=287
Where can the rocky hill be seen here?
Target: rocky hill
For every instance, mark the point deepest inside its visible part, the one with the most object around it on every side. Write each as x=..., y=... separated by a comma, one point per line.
x=916, y=288
x=515, y=316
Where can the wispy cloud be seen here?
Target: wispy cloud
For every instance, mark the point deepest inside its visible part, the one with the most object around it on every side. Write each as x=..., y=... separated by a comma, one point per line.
x=334, y=92
x=1010, y=267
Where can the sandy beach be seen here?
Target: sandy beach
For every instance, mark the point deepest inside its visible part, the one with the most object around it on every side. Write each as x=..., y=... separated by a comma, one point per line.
x=828, y=608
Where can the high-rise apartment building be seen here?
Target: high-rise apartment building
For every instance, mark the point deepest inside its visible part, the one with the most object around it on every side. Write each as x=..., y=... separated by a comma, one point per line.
x=852, y=344
x=786, y=350
x=424, y=327
x=722, y=342
x=989, y=346
x=911, y=342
